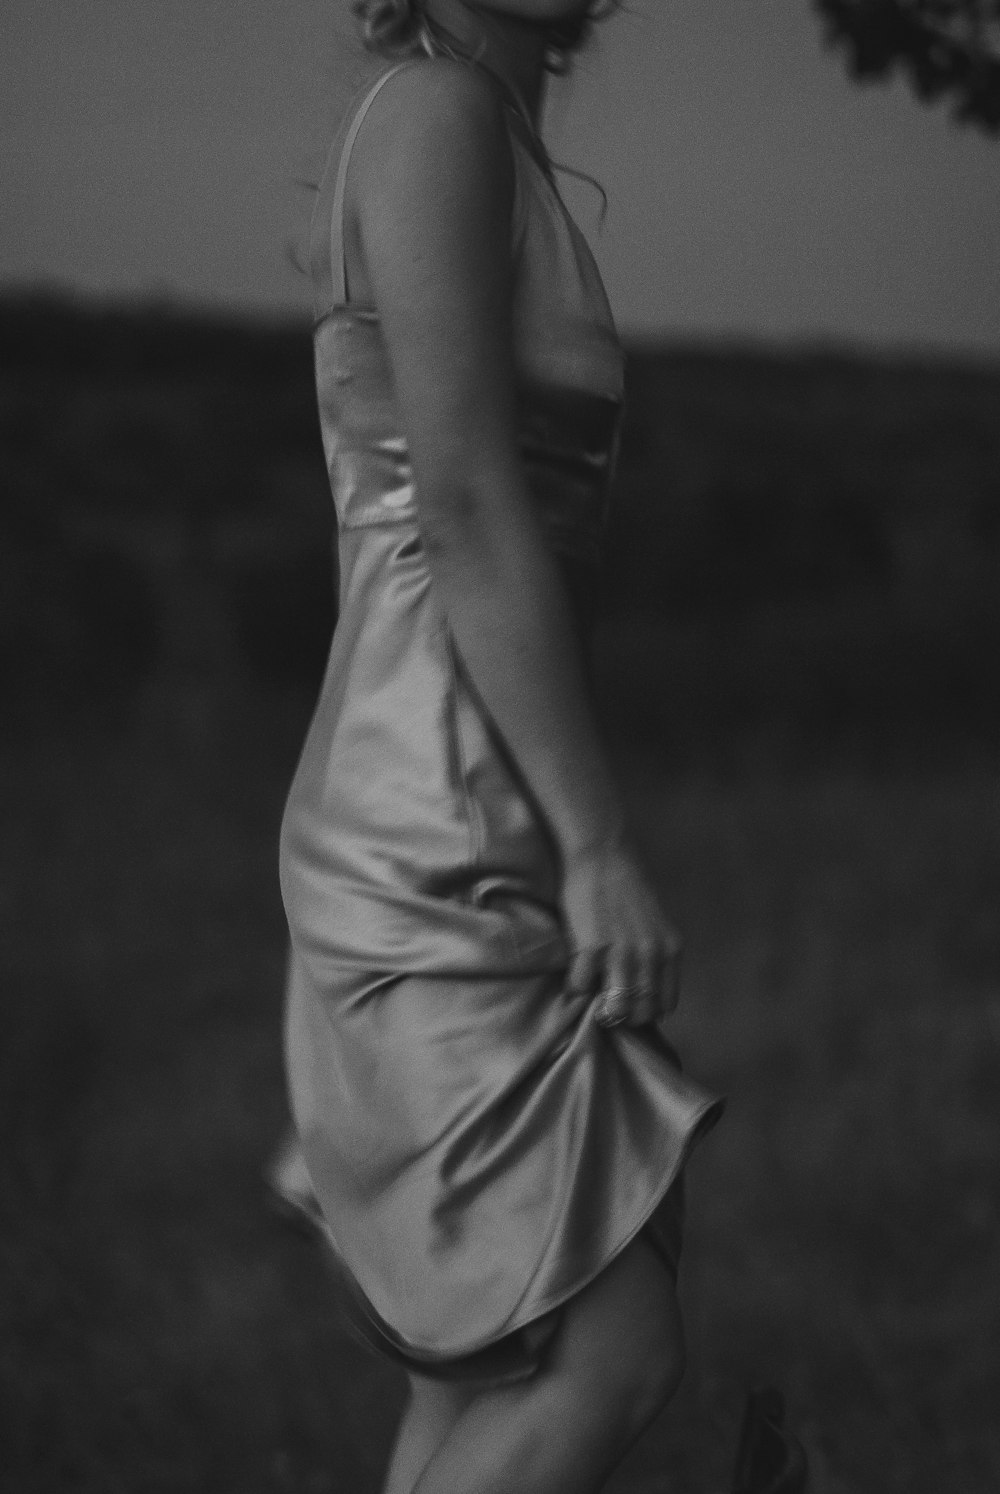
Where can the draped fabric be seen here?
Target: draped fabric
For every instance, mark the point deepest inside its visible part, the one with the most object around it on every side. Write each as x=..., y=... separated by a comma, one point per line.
x=479, y=1148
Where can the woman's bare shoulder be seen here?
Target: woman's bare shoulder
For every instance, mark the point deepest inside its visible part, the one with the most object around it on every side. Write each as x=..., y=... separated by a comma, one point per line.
x=431, y=119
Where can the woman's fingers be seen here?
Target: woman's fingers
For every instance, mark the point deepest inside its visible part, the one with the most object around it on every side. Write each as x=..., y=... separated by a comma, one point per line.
x=585, y=971
x=628, y=993
x=616, y=997
x=632, y=977
x=639, y=985
x=632, y=973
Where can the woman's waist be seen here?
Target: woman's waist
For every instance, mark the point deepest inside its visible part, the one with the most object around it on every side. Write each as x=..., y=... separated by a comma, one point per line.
x=571, y=494
x=567, y=438
x=371, y=893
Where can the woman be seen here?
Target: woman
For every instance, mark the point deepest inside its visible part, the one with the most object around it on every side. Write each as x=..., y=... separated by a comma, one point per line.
x=493, y=1122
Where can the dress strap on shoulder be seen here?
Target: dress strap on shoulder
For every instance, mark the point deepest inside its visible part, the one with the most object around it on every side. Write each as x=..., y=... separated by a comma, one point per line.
x=329, y=271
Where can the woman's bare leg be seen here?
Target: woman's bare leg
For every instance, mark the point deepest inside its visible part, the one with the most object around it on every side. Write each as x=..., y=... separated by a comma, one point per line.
x=616, y=1361
x=431, y=1413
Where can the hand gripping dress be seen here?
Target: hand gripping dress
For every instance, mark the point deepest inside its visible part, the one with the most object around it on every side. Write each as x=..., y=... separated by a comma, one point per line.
x=480, y=1149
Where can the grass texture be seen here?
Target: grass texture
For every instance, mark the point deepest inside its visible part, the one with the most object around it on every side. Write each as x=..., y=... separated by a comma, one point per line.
x=800, y=673
x=162, y=1333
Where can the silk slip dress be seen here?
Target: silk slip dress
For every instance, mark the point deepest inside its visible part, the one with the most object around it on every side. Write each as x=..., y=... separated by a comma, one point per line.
x=479, y=1148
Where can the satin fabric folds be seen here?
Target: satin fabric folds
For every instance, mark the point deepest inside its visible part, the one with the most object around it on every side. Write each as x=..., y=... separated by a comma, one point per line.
x=479, y=1148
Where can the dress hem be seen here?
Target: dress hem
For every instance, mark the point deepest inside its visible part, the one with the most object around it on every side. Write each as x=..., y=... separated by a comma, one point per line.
x=419, y=1358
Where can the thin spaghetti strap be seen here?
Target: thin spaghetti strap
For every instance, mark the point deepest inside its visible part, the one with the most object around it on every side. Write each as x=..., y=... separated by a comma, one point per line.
x=326, y=234
x=338, y=266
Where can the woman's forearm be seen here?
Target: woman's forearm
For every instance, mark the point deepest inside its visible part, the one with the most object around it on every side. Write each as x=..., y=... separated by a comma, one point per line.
x=435, y=203
x=510, y=618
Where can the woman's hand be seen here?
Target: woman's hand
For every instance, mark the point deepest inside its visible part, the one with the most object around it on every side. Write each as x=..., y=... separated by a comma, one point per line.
x=625, y=954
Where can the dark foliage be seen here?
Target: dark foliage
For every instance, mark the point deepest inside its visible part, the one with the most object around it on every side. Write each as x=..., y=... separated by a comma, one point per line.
x=807, y=537
x=946, y=48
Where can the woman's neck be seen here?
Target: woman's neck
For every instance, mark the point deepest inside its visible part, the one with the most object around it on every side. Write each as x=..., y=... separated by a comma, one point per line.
x=512, y=49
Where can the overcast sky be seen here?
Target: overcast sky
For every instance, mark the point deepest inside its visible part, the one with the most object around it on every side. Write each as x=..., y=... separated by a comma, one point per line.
x=151, y=148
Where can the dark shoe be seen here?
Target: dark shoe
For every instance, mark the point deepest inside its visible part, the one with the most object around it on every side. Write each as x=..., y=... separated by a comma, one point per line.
x=769, y=1459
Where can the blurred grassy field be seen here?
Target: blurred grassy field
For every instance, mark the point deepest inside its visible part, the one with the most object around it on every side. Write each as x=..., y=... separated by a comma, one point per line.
x=161, y=1333
x=813, y=771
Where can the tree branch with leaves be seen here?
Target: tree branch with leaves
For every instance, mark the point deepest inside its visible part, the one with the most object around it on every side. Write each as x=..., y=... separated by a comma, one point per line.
x=947, y=49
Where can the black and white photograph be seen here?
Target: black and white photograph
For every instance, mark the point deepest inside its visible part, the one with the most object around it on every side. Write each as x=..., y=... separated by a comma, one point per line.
x=499, y=746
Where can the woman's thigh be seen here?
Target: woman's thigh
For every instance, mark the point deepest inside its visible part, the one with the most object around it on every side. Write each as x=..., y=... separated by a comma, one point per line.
x=621, y=1338
x=441, y=1400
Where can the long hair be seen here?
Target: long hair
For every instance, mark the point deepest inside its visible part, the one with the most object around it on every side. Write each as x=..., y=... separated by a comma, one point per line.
x=395, y=28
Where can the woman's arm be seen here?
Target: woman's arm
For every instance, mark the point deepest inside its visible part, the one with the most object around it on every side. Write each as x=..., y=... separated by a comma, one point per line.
x=430, y=190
